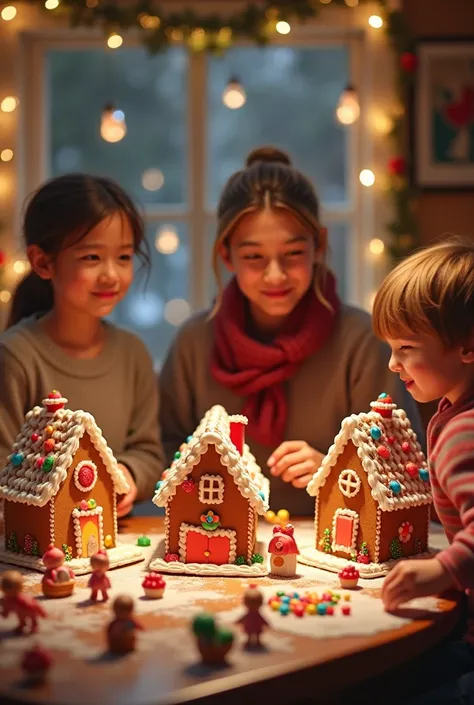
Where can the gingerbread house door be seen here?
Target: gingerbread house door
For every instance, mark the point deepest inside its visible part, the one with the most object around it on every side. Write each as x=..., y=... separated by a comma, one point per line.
x=198, y=545
x=88, y=531
x=345, y=526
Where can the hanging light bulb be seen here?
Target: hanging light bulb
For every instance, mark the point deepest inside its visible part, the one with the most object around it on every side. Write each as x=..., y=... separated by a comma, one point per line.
x=113, y=127
x=234, y=95
x=348, y=108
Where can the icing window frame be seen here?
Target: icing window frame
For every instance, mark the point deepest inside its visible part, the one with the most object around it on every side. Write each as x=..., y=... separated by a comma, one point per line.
x=77, y=470
x=213, y=493
x=349, y=482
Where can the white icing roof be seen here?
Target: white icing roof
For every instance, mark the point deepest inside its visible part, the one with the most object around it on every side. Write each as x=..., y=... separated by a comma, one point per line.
x=214, y=429
x=29, y=484
x=413, y=491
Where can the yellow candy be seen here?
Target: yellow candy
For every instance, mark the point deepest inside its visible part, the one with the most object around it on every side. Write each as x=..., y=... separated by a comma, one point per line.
x=108, y=541
x=311, y=609
x=275, y=605
x=283, y=514
x=347, y=598
x=294, y=601
x=49, y=430
x=270, y=516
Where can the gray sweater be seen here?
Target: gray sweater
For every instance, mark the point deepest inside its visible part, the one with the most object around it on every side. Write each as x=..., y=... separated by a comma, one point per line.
x=117, y=387
x=340, y=379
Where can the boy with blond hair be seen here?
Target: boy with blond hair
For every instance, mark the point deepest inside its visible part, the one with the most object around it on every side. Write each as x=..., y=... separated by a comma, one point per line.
x=425, y=311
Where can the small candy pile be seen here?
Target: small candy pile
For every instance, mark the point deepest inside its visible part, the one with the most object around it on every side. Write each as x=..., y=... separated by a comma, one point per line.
x=309, y=603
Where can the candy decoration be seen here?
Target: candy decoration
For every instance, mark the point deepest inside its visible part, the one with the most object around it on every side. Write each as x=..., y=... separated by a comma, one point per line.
x=108, y=541
x=210, y=521
x=189, y=439
x=172, y=558
x=17, y=459
x=309, y=603
x=188, y=485
x=406, y=447
x=48, y=445
x=143, y=541
x=418, y=546
x=383, y=452
x=48, y=464
x=346, y=610
x=34, y=437
x=363, y=555
x=153, y=586
x=283, y=515
x=325, y=542
x=261, y=494
x=405, y=531
x=177, y=455
x=86, y=476
x=158, y=485
x=49, y=430
x=424, y=475
x=391, y=440
x=36, y=663
x=375, y=432
x=39, y=463
x=395, y=486
x=83, y=506
x=349, y=577
x=395, y=548
x=408, y=62
x=91, y=503
x=411, y=469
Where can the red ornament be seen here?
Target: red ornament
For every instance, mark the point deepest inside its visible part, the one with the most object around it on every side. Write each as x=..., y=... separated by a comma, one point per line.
x=383, y=452
x=408, y=62
x=391, y=440
x=411, y=469
x=34, y=437
x=171, y=557
x=397, y=166
x=188, y=485
x=406, y=447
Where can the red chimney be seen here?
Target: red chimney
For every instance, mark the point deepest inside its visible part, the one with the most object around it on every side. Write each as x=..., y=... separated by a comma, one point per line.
x=237, y=426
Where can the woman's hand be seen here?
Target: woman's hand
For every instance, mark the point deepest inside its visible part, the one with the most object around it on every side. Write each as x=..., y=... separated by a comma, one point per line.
x=125, y=503
x=295, y=462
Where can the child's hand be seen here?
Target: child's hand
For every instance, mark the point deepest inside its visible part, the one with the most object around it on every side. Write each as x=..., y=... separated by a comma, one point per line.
x=295, y=462
x=125, y=503
x=414, y=578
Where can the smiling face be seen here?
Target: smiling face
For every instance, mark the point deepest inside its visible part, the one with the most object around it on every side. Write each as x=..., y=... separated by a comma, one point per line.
x=272, y=256
x=91, y=275
x=430, y=369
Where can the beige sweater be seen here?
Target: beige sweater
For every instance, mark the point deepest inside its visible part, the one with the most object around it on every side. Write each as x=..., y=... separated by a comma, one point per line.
x=117, y=387
x=342, y=378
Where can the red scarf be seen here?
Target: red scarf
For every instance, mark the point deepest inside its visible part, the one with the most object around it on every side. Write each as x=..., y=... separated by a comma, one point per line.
x=256, y=370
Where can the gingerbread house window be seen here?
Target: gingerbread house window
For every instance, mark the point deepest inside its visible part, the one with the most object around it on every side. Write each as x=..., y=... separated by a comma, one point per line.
x=85, y=475
x=349, y=483
x=211, y=489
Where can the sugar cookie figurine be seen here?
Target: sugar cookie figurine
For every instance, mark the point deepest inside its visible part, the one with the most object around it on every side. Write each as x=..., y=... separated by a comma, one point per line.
x=283, y=551
x=213, y=642
x=253, y=623
x=349, y=577
x=99, y=582
x=121, y=632
x=24, y=606
x=36, y=664
x=58, y=580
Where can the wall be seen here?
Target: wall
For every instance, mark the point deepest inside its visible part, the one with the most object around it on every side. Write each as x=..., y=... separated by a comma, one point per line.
x=439, y=213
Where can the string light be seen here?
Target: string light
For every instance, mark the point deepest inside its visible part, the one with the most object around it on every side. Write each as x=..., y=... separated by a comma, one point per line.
x=152, y=179
x=51, y=4
x=114, y=41
x=167, y=240
x=20, y=267
x=8, y=13
x=352, y=3
x=5, y=296
x=9, y=104
x=234, y=95
x=283, y=27
x=375, y=21
x=367, y=177
x=177, y=311
x=376, y=246
x=348, y=108
x=113, y=127
x=6, y=155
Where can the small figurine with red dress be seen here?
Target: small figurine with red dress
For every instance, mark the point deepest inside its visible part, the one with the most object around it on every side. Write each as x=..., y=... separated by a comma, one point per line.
x=253, y=622
x=24, y=606
x=58, y=580
x=99, y=582
x=121, y=632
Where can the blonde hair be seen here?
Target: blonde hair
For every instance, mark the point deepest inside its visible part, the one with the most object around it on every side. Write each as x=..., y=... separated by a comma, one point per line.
x=268, y=181
x=432, y=292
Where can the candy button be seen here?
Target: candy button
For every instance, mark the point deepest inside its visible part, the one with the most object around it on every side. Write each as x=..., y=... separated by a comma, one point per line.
x=424, y=474
x=405, y=447
x=395, y=486
x=375, y=432
x=383, y=452
x=411, y=469
x=17, y=459
x=207, y=553
x=278, y=561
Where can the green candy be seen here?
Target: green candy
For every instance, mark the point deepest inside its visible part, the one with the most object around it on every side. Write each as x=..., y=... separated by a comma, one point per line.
x=48, y=463
x=143, y=541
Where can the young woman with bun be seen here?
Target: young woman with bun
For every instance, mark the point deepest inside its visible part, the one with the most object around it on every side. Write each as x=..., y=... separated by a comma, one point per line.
x=278, y=345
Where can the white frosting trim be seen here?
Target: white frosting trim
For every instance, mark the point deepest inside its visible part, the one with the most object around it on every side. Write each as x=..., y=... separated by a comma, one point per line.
x=76, y=514
x=349, y=482
x=238, y=418
x=28, y=484
x=378, y=528
x=89, y=464
x=356, y=428
x=185, y=529
x=167, y=527
x=250, y=526
x=216, y=484
x=214, y=429
x=209, y=569
x=355, y=528
x=52, y=527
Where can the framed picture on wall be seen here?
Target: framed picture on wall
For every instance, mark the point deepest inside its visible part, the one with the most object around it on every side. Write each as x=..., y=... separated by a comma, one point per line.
x=443, y=115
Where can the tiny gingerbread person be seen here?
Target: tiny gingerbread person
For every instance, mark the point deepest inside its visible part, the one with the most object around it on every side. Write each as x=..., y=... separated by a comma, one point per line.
x=58, y=580
x=99, y=582
x=121, y=632
x=253, y=622
x=24, y=606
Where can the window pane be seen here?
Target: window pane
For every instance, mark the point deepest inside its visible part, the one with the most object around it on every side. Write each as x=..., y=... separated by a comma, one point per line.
x=151, y=160
x=292, y=94
x=154, y=309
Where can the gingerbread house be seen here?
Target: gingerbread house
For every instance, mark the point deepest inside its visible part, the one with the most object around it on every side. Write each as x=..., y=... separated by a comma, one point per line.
x=59, y=487
x=372, y=494
x=213, y=493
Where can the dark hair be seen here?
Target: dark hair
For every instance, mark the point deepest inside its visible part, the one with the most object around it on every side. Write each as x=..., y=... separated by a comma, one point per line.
x=268, y=180
x=69, y=205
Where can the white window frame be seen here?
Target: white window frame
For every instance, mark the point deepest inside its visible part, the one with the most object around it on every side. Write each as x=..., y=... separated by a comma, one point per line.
x=349, y=482
x=216, y=484
x=371, y=64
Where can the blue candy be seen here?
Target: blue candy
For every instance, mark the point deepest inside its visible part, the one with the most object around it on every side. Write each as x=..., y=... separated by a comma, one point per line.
x=395, y=486
x=424, y=474
x=375, y=432
x=17, y=459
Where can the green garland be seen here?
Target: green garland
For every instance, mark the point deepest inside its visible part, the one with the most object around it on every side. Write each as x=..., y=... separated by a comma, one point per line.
x=158, y=27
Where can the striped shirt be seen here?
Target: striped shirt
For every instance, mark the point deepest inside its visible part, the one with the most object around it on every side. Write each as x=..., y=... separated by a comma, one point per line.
x=451, y=462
